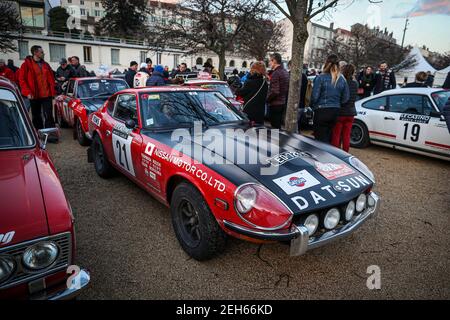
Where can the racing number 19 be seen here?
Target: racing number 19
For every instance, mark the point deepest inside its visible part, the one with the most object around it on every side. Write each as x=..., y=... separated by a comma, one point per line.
x=415, y=132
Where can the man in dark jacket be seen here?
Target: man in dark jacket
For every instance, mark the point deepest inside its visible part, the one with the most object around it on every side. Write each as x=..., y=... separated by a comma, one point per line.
x=63, y=74
x=157, y=77
x=79, y=70
x=37, y=83
x=384, y=79
x=278, y=91
x=430, y=80
x=234, y=81
x=129, y=75
x=12, y=66
x=421, y=78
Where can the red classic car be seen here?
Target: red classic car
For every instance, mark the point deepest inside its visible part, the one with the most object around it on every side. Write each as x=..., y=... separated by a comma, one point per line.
x=216, y=85
x=37, y=241
x=81, y=97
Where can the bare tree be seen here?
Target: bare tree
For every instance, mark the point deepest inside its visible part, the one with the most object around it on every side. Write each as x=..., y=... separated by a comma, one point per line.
x=10, y=26
x=260, y=38
x=209, y=25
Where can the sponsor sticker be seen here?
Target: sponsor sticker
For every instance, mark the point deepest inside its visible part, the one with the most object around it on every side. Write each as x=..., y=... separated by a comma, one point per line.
x=153, y=97
x=285, y=157
x=7, y=237
x=96, y=120
x=333, y=171
x=416, y=118
x=296, y=182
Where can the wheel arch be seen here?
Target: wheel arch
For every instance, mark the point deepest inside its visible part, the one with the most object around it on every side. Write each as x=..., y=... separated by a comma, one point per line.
x=175, y=180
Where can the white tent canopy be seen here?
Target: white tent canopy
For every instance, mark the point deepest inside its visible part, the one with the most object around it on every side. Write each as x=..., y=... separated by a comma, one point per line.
x=440, y=76
x=416, y=63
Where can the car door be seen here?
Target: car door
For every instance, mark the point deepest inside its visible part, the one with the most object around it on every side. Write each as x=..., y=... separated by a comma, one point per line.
x=380, y=122
x=124, y=144
x=437, y=136
x=413, y=119
x=67, y=112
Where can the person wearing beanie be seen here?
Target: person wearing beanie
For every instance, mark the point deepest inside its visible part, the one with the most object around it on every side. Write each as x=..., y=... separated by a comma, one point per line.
x=157, y=77
x=140, y=79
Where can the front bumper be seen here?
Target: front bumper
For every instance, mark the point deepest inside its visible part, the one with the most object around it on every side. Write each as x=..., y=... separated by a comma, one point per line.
x=80, y=282
x=298, y=234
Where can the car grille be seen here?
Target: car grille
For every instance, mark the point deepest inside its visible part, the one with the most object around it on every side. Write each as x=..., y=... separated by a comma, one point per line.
x=22, y=275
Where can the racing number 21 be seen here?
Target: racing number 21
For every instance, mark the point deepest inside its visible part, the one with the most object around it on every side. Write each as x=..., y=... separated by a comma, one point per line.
x=122, y=150
x=415, y=132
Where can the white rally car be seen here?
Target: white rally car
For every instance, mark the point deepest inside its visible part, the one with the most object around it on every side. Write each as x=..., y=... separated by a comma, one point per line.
x=409, y=119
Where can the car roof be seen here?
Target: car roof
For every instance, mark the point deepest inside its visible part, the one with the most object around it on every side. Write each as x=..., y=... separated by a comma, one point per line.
x=6, y=83
x=424, y=91
x=204, y=81
x=96, y=78
x=162, y=89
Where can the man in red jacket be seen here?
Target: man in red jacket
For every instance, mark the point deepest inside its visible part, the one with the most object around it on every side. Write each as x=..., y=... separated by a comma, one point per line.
x=37, y=82
x=6, y=72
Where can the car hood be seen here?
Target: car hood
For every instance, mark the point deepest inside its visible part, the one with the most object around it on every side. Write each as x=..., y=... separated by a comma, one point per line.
x=93, y=105
x=22, y=210
x=305, y=174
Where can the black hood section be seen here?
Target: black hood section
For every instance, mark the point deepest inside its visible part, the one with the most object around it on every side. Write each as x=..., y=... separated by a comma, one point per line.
x=305, y=174
x=93, y=104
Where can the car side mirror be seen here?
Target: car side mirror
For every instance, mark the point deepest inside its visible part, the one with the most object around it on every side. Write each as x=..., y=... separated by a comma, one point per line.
x=435, y=114
x=130, y=124
x=45, y=133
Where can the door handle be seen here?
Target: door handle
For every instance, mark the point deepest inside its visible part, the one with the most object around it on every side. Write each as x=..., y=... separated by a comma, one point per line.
x=389, y=118
x=108, y=133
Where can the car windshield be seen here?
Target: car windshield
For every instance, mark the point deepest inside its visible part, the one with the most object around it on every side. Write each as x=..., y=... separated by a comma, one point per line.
x=441, y=98
x=14, y=133
x=99, y=88
x=222, y=88
x=173, y=109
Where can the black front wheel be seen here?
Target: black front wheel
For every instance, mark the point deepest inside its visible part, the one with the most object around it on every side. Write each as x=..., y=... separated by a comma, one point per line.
x=80, y=135
x=101, y=163
x=359, y=137
x=196, y=228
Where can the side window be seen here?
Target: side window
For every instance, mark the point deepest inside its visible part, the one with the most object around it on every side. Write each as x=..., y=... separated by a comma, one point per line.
x=376, y=104
x=126, y=107
x=70, y=88
x=111, y=104
x=412, y=104
x=427, y=106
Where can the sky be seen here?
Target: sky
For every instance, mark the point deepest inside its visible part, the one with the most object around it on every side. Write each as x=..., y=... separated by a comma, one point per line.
x=429, y=20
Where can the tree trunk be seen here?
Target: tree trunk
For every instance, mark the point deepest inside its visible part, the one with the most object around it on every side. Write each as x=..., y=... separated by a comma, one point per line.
x=298, y=47
x=222, y=63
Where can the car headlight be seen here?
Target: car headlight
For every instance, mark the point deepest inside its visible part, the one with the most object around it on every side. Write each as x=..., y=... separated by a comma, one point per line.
x=331, y=219
x=361, y=203
x=371, y=201
x=350, y=210
x=7, y=267
x=312, y=223
x=245, y=199
x=40, y=255
x=358, y=164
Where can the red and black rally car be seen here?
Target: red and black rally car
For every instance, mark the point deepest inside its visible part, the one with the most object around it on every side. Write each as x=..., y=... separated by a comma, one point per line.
x=301, y=191
x=37, y=240
x=81, y=97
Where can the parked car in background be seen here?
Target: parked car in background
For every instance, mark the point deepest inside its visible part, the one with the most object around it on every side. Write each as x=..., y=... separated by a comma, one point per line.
x=216, y=85
x=406, y=119
x=37, y=240
x=81, y=97
x=315, y=195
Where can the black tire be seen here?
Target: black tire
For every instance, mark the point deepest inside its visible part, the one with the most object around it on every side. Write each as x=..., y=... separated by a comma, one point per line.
x=196, y=228
x=59, y=119
x=101, y=162
x=80, y=135
x=359, y=137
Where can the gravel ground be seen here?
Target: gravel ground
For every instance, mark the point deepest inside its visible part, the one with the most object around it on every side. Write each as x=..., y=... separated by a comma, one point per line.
x=125, y=238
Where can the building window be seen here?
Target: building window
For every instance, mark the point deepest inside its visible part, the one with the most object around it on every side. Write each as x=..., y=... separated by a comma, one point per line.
x=115, y=56
x=87, y=53
x=231, y=63
x=82, y=2
x=23, y=50
x=57, y=52
x=69, y=1
x=97, y=4
x=158, y=58
x=244, y=64
x=82, y=12
x=143, y=56
x=199, y=61
x=97, y=13
x=176, y=60
x=32, y=17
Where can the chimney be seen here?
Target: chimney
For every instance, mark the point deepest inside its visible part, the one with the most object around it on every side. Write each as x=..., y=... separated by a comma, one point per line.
x=332, y=25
